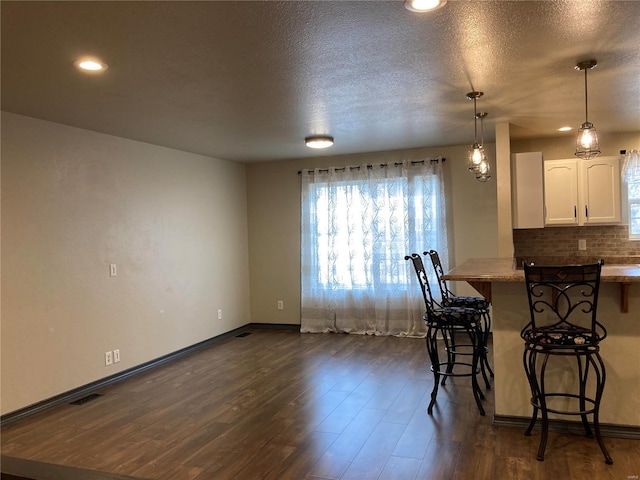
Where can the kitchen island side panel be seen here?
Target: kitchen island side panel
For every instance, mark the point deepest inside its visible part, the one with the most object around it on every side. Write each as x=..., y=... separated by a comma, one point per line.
x=620, y=352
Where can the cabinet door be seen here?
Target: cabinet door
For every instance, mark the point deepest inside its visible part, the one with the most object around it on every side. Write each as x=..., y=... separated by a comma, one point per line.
x=561, y=192
x=600, y=190
x=527, y=200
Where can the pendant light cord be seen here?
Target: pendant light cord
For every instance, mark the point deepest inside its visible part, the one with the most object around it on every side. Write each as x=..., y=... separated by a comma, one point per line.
x=586, y=101
x=475, y=122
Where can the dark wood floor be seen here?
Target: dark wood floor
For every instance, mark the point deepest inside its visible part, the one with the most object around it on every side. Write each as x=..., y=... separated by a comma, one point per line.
x=282, y=405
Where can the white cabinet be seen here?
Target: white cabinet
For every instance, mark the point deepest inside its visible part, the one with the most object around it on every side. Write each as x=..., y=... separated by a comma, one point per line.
x=600, y=188
x=561, y=192
x=582, y=192
x=527, y=199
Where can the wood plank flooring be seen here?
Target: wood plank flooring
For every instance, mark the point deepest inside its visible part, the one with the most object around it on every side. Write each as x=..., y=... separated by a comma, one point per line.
x=280, y=405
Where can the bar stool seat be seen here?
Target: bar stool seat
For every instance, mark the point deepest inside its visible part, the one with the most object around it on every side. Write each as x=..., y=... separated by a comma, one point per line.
x=563, y=303
x=553, y=337
x=466, y=302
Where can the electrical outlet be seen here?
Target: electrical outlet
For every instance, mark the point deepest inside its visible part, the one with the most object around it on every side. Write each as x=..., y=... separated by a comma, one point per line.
x=116, y=355
x=108, y=358
x=219, y=314
x=280, y=305
x=582, y=244
x=113, y=270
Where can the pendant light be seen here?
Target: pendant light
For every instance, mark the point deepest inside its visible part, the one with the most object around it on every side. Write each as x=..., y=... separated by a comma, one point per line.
x=483, y=170
x=587, y=142
x=477, y=162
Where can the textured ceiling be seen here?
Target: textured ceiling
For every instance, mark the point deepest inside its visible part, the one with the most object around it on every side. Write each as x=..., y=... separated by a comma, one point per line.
x=247, y=81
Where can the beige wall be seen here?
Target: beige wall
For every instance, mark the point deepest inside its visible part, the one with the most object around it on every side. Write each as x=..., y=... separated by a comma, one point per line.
x=74, y=201
x=273, y=192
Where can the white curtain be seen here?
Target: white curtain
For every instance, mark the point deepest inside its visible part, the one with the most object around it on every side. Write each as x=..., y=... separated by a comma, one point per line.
x=631, y=175
x=631, y=166
x=358, y=223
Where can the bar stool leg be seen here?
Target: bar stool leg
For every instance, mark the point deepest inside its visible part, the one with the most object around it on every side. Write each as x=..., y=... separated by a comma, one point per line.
x=447, y=333
x=542, y=400
x=485, y=341
x=476, y=342
x=529, y=361
x=582, y=375
x=432, y=350
x=601, y=374
x=449, y=340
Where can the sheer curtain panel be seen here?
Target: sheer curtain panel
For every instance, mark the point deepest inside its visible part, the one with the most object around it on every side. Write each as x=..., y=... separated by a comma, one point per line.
x=358, y=223
x=631, y=175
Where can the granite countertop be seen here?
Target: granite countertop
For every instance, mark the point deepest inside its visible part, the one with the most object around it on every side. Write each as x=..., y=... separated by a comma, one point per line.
x=509, y=270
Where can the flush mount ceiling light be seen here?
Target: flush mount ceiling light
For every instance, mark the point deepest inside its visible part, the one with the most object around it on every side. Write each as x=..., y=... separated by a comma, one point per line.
x=90, y=65
x=477, y=162
x=587, y=142
x=423, y=5
x=319, y=141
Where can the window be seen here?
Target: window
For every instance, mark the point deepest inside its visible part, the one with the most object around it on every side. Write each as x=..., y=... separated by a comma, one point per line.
x=358, y=223
x=350, y=217
x=634, y=209
x=631, y=175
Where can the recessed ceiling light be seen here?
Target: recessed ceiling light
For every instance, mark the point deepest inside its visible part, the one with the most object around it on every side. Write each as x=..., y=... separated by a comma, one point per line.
x=423, y=5
x=565, y=129
x=318, y=141
x=90, y=65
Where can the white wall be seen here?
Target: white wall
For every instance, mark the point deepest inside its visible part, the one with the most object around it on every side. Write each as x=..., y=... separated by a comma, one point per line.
x=74, y=201
x=273, y=192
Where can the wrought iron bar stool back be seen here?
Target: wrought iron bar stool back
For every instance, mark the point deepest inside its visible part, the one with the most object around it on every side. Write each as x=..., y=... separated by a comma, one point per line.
x=442, y=324
x=479, y=303
x=563, y=303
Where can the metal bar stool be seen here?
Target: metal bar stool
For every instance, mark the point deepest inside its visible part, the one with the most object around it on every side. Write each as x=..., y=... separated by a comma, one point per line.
x=563, y=303
x=444, y=323
x=478, y=303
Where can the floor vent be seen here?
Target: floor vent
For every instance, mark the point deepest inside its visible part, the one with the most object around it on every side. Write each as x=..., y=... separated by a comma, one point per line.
x=88, y=398
x=244, y=334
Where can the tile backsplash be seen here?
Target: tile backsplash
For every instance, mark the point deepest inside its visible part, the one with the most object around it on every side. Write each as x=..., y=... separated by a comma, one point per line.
x=609, y=242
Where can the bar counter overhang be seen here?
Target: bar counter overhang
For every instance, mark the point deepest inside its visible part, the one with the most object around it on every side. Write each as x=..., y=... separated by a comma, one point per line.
x=502, y=281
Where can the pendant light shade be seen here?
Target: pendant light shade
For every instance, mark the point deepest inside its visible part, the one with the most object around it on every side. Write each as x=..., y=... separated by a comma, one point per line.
x=477, y=156
x=477, y=162
x=484, y=171
x=587, y=145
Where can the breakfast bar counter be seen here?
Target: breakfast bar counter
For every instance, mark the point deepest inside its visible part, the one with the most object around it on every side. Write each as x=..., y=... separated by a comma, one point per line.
x=501, y=280
x=481, y=272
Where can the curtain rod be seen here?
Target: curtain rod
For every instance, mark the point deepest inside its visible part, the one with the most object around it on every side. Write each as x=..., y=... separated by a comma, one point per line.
x=395, y=164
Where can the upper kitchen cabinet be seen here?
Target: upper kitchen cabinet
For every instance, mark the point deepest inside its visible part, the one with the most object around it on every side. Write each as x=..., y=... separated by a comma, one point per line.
x=527, y=190
x=582, y=192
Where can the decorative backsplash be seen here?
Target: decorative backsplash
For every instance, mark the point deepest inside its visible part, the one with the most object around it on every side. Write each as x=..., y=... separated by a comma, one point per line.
x=560, y=244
